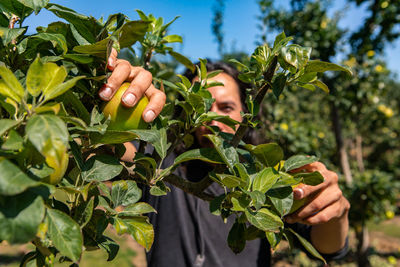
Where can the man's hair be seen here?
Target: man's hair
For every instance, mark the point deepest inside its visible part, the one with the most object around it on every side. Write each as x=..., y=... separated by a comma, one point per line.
x=228, y=69
x=251, y=135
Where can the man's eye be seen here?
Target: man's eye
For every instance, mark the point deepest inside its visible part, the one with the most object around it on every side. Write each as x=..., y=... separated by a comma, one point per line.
x=227, y=109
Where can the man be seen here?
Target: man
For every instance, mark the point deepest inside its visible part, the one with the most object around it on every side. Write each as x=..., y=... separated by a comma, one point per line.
x=186, y=234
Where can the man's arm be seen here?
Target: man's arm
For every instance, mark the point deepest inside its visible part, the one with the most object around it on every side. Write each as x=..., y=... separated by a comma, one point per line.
x=326, y=211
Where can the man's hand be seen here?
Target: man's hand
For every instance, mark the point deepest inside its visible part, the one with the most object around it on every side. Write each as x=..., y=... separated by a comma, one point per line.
x=141, y=84
x=326, y=201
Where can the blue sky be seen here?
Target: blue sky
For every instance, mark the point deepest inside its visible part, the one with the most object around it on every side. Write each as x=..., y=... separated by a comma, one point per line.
x=194, y=25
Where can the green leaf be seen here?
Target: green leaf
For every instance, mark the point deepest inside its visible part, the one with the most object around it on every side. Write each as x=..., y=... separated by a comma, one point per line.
x=51, y=76
x=98, y=49
x=269, y=154
x=321, y=85
x=279, y=84
x=36, y=5
x=265, y=179
x=236, y=237
x=182, y=59
x=230, y=181
x=310, y=178
x=185, y=81
x=9, y=85
x=8, y=35
x=173, y=39
x=308, y=246
x=6, y=124
x=110, y=246
x=12, y=180
x=20, y=217
x=125, y=193
x=264, y=220
x=131, y=32
x=141, y=230
x=35, y=77
x=215, y=204
x=242, y=173
x=282, y=199
x=240, y=201
x=279, y=38
x=14, y=141
x=62, y=88
x=298, y=161
x=80, y=58
x=258, y=198
x=136, y=209
x=158, y=138
x=321, y=66
x=273, y=238
x=101, y=168
x=87, y=27
x=214, y=73
x=41, y=128
x=112, y=137
x=213, y=116
x=56, y=39
x=65, y=234
x=227, y=152
x=15, y=7
x=203, y=69
x=159, y=189
x=83, y=212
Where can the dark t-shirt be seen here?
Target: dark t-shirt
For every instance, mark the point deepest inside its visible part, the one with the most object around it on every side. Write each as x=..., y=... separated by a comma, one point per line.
x=187, y=234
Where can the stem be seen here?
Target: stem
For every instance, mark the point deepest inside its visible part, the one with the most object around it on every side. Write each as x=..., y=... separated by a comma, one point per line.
x=268, y=75
x=193, y=188
x=148, y=58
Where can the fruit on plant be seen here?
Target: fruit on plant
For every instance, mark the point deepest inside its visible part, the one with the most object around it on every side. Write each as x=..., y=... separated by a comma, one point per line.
x=123, y=118
x=389, y=214
x=297, y=203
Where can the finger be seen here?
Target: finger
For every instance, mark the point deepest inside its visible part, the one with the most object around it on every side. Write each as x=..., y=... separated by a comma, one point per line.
x=329, y=213
x=312, y=167
x=141, y=82
x=122, y=72
x=303, y=191
x=112, y=59
x=156, y=104
x=323, y=200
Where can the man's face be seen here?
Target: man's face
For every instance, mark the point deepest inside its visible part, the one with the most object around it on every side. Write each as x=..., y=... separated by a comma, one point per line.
x=227, y=102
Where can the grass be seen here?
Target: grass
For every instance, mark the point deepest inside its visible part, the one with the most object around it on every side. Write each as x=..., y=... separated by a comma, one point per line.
x=390, y=228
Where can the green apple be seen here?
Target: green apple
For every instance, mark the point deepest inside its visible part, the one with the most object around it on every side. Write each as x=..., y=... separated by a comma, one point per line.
x=123, y=118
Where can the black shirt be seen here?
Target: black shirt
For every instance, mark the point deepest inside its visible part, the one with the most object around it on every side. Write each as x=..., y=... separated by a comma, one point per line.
x=187, y=234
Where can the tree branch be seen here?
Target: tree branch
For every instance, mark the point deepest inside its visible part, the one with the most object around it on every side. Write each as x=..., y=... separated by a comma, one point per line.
x=268, y=75
x=193, y=188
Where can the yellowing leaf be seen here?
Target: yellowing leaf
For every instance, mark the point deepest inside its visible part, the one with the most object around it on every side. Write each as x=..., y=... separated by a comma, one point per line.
x=9, y=85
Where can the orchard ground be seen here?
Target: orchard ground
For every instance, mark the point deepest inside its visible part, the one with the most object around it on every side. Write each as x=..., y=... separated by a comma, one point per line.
x=384, y=251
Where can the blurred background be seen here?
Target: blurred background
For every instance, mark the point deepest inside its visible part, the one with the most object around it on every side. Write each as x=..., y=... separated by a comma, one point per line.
x=354, y=129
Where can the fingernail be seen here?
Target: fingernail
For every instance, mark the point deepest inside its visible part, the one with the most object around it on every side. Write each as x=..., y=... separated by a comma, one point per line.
x=298, y=193
x=111, y=62
x=129, y=99
x=149, y=116
x=105, y=93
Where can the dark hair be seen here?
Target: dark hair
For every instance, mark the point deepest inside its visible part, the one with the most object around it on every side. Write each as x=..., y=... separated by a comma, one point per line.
x=251, y=135
x=228, y=69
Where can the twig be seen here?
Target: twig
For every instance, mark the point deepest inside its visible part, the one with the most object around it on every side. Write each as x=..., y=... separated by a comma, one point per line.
x=268, y=75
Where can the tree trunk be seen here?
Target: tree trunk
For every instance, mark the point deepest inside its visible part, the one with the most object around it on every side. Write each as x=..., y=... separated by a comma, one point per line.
x=359, y=154
x=341, y=148
x=362, y=246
